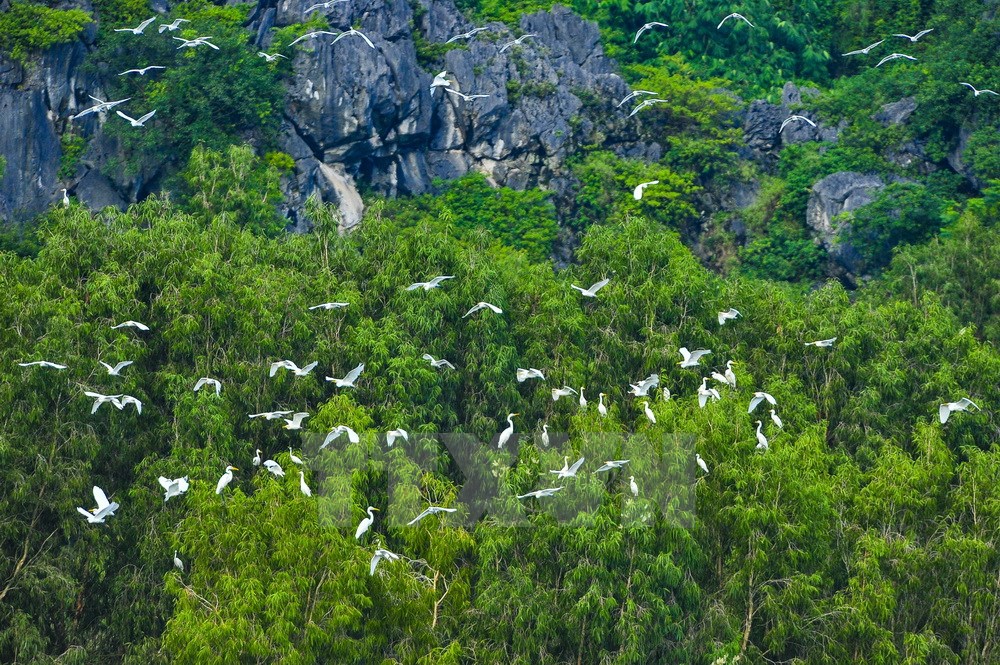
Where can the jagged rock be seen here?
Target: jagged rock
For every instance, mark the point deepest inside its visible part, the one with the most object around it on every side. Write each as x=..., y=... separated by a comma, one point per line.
x=956, y=158
x=30, y=148
x=833, y=195
x=896, y=113
x=760, y=126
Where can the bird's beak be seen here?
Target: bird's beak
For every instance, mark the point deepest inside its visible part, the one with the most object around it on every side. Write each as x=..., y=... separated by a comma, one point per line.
x=515, y=414
x=376, y=510
x=236, y=468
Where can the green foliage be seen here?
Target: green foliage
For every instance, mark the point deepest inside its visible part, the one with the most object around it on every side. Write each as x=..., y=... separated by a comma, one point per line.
x=27, y=27
x=281, y=161
x=73, y=147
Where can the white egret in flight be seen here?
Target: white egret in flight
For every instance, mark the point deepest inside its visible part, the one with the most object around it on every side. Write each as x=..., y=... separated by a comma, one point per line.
x=176, y=25
x=208, y=381
x=776, y=420
x=759, y=397
x=632, y=486
x=335, y=433
x=976, y=92
x=226, y=478
x=648, y=411
x=348, y=381
x=296, y=420
x=794, y=118
x=381, y=554
x=894, y=56
x=365, y=523
x=633, y=95
x=125, y=400
x=295, y=458
x=100, y=399
x=100, y=107
x=483, y=305
x=568, y=471
x=43, y=363
x=761, y=439
x=691, y=358
x=352, y=31
x=274, y=468
x=393, y=434
x=538, y=494
x=705, y=393
x=647, y=26
x=645, y=103
x=196, y=42
x=737, y=16
x=302, y=484
x=330, y=305
x=323, y=5
x=139, y=28
x=269, y=415
x=427, y=286
x=508, y=431
x=313, y=35
x=729, y=315
x=945, y=410
x=466, y=35
x=863, y=51
x=612, y=464
x=594, y=288
x=439, y=363
x=440, y=81
x=141, y=122
x=641, y=389
x=103, y=510
x=915, y=37
x=173, y=487
x=516, y=42
x=822, y=343
x=641, y=187
x=289, y=365
x=433, y=510
x=530, y=373
x=132, y=324
x=561, y=392
x=464, y=96
x=142, y=71
x=271, y=57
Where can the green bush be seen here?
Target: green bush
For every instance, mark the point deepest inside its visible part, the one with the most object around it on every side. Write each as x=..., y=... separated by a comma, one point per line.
x=73, y=147
x=25, y=28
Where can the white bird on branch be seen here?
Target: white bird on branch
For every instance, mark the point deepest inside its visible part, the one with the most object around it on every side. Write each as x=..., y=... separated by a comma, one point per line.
x=274, y=468
x=705, y=393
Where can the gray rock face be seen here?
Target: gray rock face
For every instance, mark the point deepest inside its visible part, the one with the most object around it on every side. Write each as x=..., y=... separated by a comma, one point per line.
x=833, y=195
x=762, y=131
x=896, y=113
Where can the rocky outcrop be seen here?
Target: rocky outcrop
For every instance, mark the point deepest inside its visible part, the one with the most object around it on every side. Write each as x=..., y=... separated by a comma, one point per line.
x=896, y=113
x=763, y=136
x=832, y=196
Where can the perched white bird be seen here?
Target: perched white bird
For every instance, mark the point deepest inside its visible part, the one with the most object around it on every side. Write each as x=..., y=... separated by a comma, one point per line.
x=100, y=107
x=142, y=71
x=722, y=378
x=945, y=410
x=641, y=187
x=594, y=288
x=330, y=305
x=335, y=433
x=226, y=478
x=915, y=37
x=381, y=554
x=352, y=31
x=269, y=415
x=508, y=431
x=611, y=464
x=976, y=92
x=256, y=458
x=440, y=81
x=323, y=5
x=141, y=122
x=894, y=56
x=392, y=435
x=666, y=394
x=633, y=95
x=632, y=486
x=464, y=96
x=601, y=409
x=759, y=397
x=139, y=28
x=271, y=57
x=132, y=324
x=365, y=523
x=174, y=487
x=776, y=420
x=295, y=458
x=530, y=373
x=208, y=381
x=516, y=42
x=794, y=118
x=100, y=399
x=730, y=375
x=274, y=468
x=196, y=42
x=43, y=363
x=483, y=305
x=432, y=284
x=646, y=103
x=348, y=381
x=734, y=15
x=700, y=462
x=289, y=365
x=641, y=389
x=545, y=434
x=295, y=422
x=103, y=510
x=302, y=484
x=561, y=392
x=125, y=400
x=729, y=315
x=439, y=363
x=312, y=35
x=568, y=471
x=176, y=25
x=647, y=26
x=691, y=358
x=433, y=510
x=178, y=564
x=822, y=343
x=466, y=35
x=705, y=393
x=65, y=197
x=863, y=51
x=649, y=412
x=538, y=494
x=583, y=400
x=761, y=439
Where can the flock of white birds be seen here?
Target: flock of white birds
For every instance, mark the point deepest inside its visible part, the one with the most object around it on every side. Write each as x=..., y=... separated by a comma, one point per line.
x=689, y=359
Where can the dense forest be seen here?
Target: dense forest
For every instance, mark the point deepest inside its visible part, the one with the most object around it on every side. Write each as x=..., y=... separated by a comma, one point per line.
x=841, y=519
